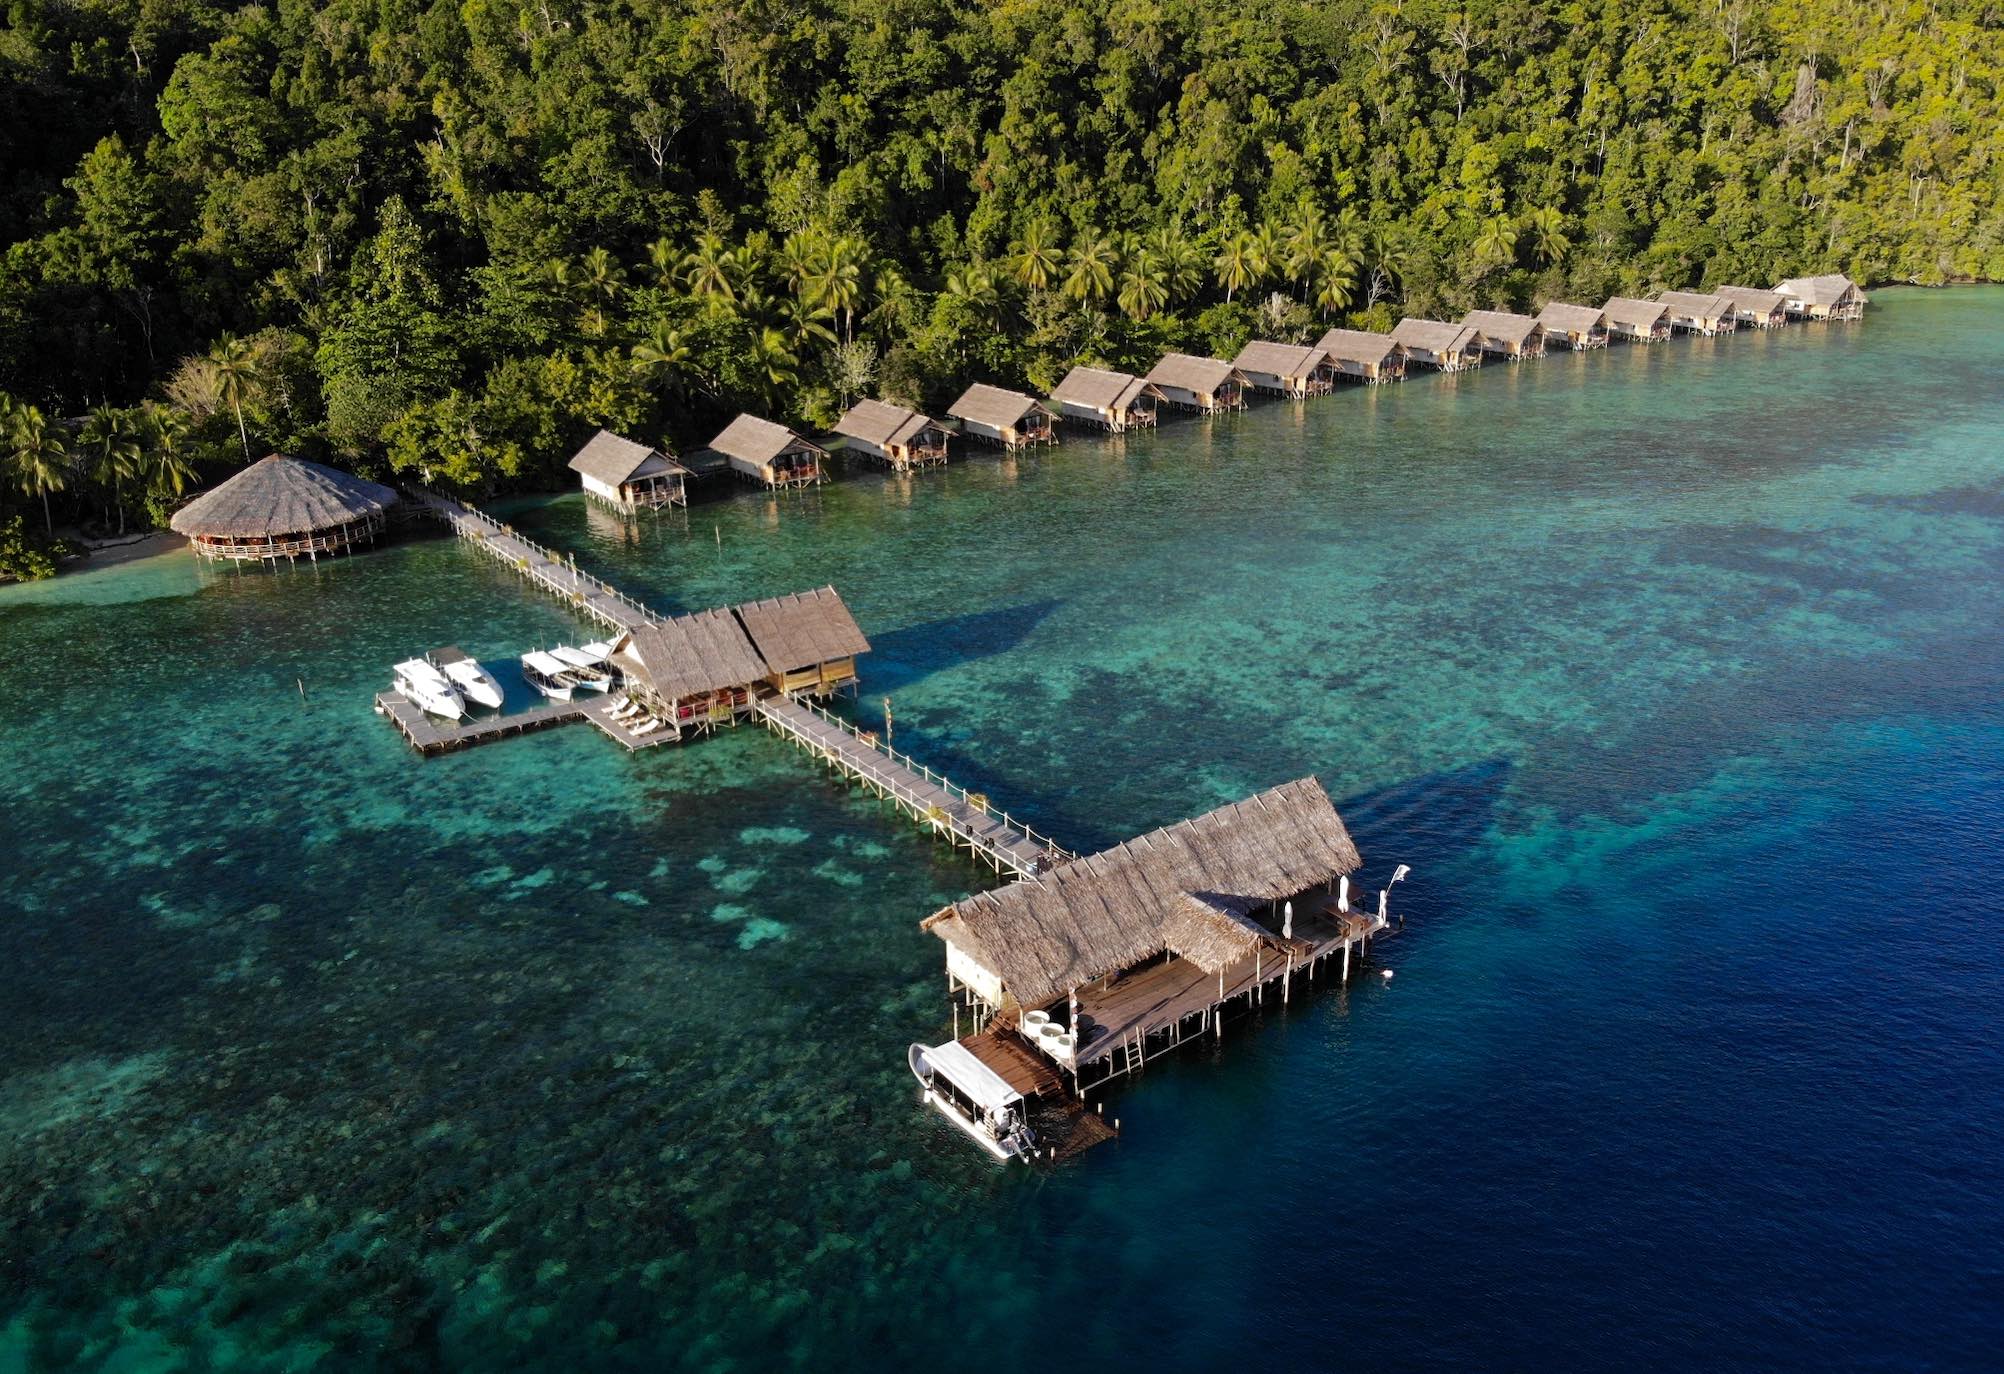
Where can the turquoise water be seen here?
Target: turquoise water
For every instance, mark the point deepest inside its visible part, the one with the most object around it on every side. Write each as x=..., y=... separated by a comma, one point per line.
x=1673, y=672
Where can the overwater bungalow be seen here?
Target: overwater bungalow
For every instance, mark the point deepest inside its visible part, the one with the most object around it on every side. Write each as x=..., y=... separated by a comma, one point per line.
x=694, y=672
x=1441, y=346
x=1095, y=965
x=1367, y=357
x=1575, y=326
x=1634, y=321
x=630, y=476
x=807, y=641
x=1699, y=312
x=1004, y=417
x=288, y=508
x=1830, y=297
x=1294, y=370
x=1754, y=308
x=899, y=437
x=1506, y=334
x=773, y=455
x=1207, y=385
x=1118, y=401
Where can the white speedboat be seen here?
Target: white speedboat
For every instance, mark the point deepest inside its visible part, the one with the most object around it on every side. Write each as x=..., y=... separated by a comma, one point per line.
x=548, y=675
x=474, y=682
x=583, y=668
x=973, y=1097
x=428, y=689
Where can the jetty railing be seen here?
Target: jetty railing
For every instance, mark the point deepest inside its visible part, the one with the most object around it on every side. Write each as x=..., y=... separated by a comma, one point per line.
x=583, y=589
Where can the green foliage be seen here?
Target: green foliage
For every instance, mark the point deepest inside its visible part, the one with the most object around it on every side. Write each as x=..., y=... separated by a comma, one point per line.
x=22, y=557
x=457, y=237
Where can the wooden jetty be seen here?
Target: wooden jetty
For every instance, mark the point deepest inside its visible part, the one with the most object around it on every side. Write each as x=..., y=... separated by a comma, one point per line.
x=600, y=601
x=965, y=820
x=430, y=735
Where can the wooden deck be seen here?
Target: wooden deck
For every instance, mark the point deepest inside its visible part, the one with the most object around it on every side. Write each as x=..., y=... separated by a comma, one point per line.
x=599, y=712
x=598, y=600
x=961, y=817
x=430, y=735
x=1028, y=1072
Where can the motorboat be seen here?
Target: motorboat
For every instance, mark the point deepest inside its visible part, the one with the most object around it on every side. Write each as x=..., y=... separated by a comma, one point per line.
x=474, y=682
x=547, y=674
x=973, y=1097
x=425, y=687
x=583, y=668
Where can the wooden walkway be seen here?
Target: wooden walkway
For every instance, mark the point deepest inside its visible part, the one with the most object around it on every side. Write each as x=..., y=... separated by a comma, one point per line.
x=599, y=712
x=961, y=817
x=598, y=600
x=430, y=735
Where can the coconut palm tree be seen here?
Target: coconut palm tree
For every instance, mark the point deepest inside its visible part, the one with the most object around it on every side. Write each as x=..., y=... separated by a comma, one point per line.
x=778, y=367
x=1034, y=259
x=1090, y=266
x=662, y=358
x=1307, y=238
x=709, y=269
x=839, y=287
x=1269, y=250
x=975, y=284
x=662, y=257
x=108, y=443
x=1144, y=286
x=1238, y=263
x=1335, y=279
x=164, y=430
x=1496, y=244
x=41, y=458
x=801, y=258
x=238, y=375
x=602, y=276
x=1181, y=265
x=1549, y=228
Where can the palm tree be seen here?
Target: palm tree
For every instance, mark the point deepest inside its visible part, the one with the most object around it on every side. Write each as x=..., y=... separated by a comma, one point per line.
x=1269, y=250
x=1238, y=263
x=41, y=458
x=840, y=285
x=602, y=276
x=777, y=365
x=1144, y=288
x=707, y=269
x=1307, y=238
x=1336, y=276
x=805, y=321
x=109, y=445
x=166, y=471
x=975, y=284
x=1549, y=227
x=661, y=357
x=1033, y=259
x=1177, y=258
x=1496, y=245
x=1090, y=267
x=663, y=258
x=802, y=257
x=238, y=374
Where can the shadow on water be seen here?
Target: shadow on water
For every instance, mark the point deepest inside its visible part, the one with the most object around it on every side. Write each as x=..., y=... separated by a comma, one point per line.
x=1432, y=819
x=900, y=658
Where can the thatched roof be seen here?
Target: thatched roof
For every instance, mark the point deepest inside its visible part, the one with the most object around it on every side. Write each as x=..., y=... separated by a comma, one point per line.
x=1191, y=373
x=801, y=630
x=1183, y=888
x=1357, y=346
x=1829, y=289
x=608, y=458
x=757, y=441
x=1278, y=359
x=689, y=654
x=1434, y=336
x=1504, y=326
x=1754, y=299
x=1634, y=314
x=882, y=424
x=1703, y=304
x=279, y=495
x=994, y=406
x=1560, y=318
x=1098, y=389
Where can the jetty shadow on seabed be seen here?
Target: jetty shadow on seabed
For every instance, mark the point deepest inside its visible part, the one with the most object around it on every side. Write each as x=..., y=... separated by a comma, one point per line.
x=899, y=658
x=1426, y=821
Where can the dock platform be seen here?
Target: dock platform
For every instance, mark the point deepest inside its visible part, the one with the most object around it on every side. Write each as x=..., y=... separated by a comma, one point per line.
x=964, y=819
x=430, y=735
x=598, y=600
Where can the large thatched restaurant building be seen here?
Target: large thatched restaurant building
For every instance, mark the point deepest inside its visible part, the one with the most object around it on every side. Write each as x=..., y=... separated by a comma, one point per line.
x=282, y=507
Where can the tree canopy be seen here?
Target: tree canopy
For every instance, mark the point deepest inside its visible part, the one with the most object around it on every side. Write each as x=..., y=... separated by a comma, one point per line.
x=455, y=236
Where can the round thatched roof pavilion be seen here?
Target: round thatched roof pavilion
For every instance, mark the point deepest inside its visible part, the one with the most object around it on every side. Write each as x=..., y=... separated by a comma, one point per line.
x=281, y=507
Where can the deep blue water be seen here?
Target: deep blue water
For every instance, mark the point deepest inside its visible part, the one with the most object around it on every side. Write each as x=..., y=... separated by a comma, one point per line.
x=1675, y=673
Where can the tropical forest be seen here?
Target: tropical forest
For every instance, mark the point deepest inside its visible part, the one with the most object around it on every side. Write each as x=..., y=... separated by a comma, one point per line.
x=447, y=241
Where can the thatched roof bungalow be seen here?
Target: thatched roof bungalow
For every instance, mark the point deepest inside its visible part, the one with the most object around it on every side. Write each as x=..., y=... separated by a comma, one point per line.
x=1004, y=417
x=1755, y=308
x=1201, y=897
x=282, y=507
x=695, y=671
x=1833, y=296
x=1295, y=370
x=899, y=437
x=1120, y=401
x=1441, y=346
x=630, y=476
x=1699, y=312
x=773, y=455
x=1575, y=326
x=1506, y=334
x=1202, y=384
x=1368, y=357
x=807, y=641
x=1635, y=321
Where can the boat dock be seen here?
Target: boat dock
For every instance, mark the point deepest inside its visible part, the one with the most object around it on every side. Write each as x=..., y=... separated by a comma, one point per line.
x=429, y=735
x=964, y=819
x=600, y=601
